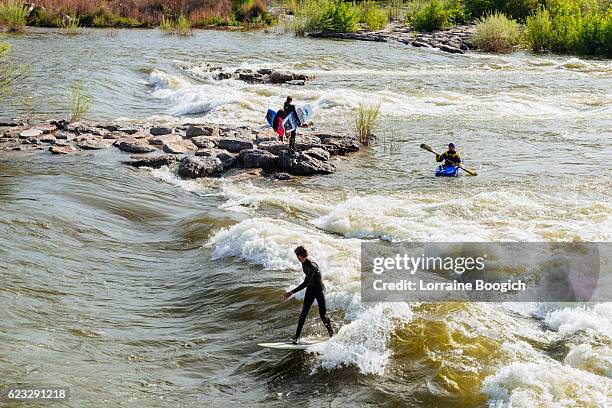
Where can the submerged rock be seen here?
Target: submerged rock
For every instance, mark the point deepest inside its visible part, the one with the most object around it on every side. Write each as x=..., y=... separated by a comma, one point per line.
x=262, y=75
x=196, y=167
x=65, y=149
x=153, y=161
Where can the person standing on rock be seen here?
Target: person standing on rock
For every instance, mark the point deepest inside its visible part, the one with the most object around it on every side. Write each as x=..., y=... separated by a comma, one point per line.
x=289, y=108
x=313, y=282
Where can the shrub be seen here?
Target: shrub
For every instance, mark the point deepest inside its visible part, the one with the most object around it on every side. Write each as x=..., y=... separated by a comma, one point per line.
x=496, y=33
x=518, y=9
x=326, y=16
x=79, y=102
x=70, y=25
x=582, y=27
x=13, y=15
x=374, y=17
x=437, y=15
x=365, y=120
x=538, y=29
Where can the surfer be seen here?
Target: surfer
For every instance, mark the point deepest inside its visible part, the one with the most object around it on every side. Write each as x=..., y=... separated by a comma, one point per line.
x=313, y=282
x=289, y=108
x=450, y=157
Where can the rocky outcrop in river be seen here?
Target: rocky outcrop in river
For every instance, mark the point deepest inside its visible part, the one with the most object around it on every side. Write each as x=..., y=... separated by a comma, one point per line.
x=199, y=150
x=454, y=40
x=259, y=76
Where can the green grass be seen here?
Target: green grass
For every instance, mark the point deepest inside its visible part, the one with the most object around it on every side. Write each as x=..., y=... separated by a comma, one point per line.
x=79, y=102
x=577, y=27
x=180, y=26
x=496, y=33
x=394, y=10
x=321, y=16
x=13, y=15
x=365, y=119
x=70, y=25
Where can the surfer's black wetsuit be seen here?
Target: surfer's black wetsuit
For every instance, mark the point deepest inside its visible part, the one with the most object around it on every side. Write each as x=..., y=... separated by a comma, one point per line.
x=313, y=282
x=290, y=108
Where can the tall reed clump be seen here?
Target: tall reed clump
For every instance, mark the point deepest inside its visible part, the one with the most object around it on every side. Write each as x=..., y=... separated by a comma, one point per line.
x=79, y=102
x=394, y=10
x=373, y=16
x=581, y=26
x=364, y=121
x=496, y=33
x=13, y=15
x=179, y=26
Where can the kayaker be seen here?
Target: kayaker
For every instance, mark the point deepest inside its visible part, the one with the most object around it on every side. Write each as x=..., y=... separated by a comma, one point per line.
x=450, y=157
x=289, y=108
x=313, y=282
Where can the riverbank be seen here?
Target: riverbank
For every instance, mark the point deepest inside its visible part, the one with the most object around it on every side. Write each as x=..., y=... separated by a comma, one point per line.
x=202, y=150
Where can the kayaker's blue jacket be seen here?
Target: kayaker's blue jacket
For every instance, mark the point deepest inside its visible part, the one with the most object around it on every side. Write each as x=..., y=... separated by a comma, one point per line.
x=450, y=159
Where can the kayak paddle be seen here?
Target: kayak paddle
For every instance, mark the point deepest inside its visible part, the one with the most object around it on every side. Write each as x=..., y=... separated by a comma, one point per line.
x=429, y=149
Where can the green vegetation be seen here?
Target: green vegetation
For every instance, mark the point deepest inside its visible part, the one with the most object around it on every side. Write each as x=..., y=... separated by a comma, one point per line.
x=9, y=72
x=583, y=27
x=70, y=25
x=518, y=9
x=365, y=120
x=13, y=15
x=320, y=16
x=394, y=10
x=373, y=16
x=496, y=33
x=79, y=102
x=179, y=26
x=437, y=14
x=253, y=12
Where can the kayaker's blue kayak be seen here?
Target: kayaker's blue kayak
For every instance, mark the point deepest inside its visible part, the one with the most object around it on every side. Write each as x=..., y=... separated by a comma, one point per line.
x=447, y=171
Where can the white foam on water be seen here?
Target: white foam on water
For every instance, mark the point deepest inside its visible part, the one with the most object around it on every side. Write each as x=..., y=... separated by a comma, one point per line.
x=569, y=320
x=364, y=341
x=200, y=186
x=594, y=359
x=546, y=384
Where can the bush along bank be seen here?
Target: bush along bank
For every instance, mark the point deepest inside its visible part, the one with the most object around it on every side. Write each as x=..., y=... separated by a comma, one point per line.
x=563, y=26
x=16, y=14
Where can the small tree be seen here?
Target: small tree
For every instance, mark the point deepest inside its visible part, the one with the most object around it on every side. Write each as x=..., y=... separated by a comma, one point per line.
x=79, y=102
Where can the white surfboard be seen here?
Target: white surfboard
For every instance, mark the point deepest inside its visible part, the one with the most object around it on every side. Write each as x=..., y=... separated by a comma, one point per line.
x=304, y=113
x=303, y=345
x=290, y=123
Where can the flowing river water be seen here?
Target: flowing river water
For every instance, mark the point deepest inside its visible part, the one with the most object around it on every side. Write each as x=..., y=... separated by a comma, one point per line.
x=136, y=288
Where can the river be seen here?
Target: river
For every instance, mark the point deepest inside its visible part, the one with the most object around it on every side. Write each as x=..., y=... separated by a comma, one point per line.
x=136, y=288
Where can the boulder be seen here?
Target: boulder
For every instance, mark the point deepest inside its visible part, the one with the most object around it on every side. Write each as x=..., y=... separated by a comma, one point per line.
x=47, y=138
x=282, y=176
x=30, y=133
x=94, y=144
x=154, y=161
x=257, y=158
x=234, y=145
x=318, y=153
x=160, y=130
x=181, y=147
x=160, y=140
x=274, y=147
x=204, y=142
x=196, y=167
x=204, y=130
x=127, y=130
x=338, y=145
x=305, y=142
x=46, y=128
x=303, y=165
x=62, y=149
x=134, y=146
x=417, y=43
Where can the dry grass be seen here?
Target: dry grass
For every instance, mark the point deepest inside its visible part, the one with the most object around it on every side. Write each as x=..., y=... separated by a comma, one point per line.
x=79, y=102
x=13, y=15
